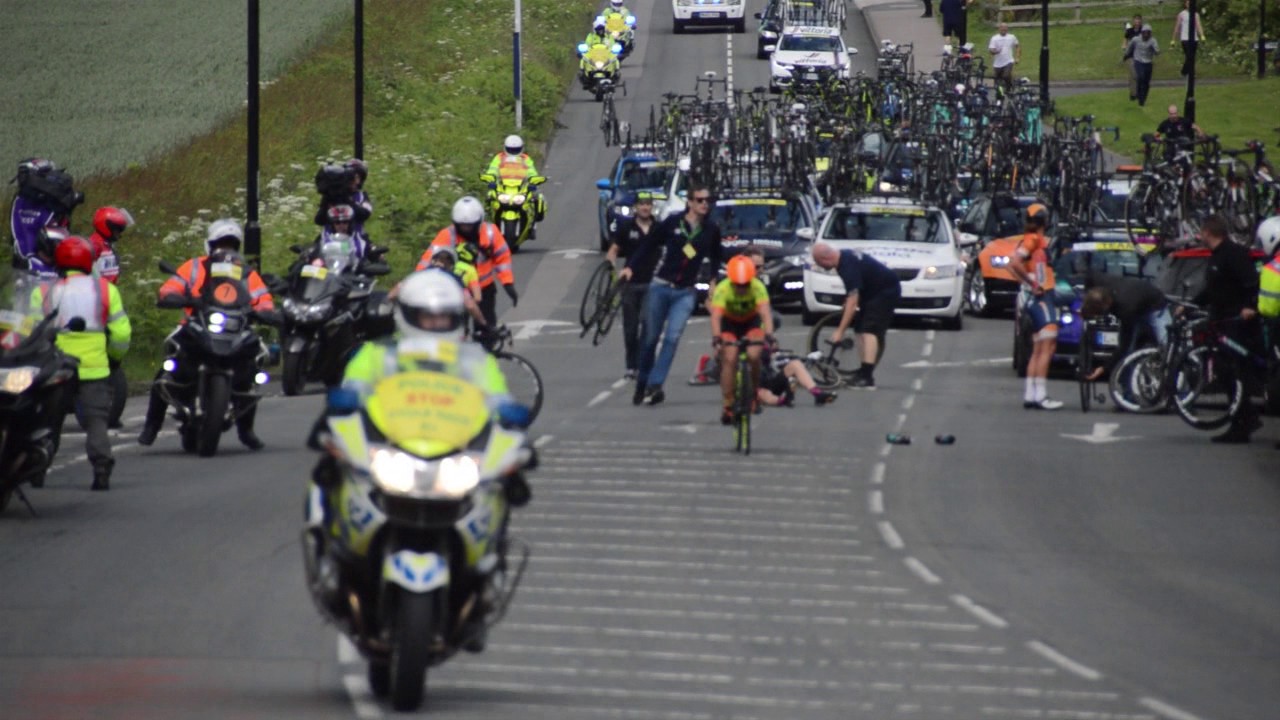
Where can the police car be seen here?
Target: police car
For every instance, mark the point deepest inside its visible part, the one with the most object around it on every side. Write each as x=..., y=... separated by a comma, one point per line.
x=708, y=12
x=806, y=54
x=916, y=241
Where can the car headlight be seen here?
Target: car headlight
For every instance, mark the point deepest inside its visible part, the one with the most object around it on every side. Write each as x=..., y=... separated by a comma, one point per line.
x=504, y=198
x=623, y=210
x=768, y=35
x=796, y=260
x=18, y=379
x=999, y=261
x=517, y=199
x=702, y=287
x=935, y=272
x=1067, y=318
x=400, y=473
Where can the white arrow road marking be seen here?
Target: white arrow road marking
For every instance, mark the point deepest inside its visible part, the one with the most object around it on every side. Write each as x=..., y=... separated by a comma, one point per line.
x=527, y=329
x=574, y=253
x=1102, y=433
x=952, y=363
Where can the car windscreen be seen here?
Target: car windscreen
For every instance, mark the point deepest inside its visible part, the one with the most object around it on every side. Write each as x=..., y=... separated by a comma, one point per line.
x=893, y=225
x=1076, y=265
x=810, y=43
x=646, y=176
x=737, y=216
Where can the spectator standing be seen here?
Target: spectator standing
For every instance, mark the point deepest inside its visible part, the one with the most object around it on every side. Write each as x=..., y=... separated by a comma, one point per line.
x=928, y=9
x=953, y=17
x=1005, y=53
x=1143, y=50
x=1182, y=32
x=1131, y=30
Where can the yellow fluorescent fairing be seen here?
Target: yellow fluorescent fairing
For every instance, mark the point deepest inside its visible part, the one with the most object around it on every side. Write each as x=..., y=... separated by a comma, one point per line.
x=428, y=413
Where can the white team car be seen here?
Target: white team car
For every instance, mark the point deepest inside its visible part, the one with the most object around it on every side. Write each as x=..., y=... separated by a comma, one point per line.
x=915, y=241
x=802, y=53
x=708, y=12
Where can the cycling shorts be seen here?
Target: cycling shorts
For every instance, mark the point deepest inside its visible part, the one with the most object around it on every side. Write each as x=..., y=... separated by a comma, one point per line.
x=1044, y=317
x=752, y=329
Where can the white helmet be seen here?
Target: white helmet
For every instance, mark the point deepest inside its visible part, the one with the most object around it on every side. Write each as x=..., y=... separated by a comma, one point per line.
x=430, y=305
x=468, y=211
x=221, y=230
x=617, y=4
x=1269, y=235
x=514, y=145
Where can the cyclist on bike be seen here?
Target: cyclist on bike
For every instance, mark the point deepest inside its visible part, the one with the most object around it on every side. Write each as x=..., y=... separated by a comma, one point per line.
x=1030, y=263
x=739, y=310
x=1231, y=295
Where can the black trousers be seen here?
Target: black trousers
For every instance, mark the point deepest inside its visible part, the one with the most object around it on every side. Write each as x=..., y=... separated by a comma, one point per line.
x=488, y=304
x=632, y=330
x=928, y=8
x=1188, y=57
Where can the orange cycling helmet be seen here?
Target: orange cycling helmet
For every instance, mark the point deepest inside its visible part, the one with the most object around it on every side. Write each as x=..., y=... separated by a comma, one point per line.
x=741, y=270
x=1038, y=213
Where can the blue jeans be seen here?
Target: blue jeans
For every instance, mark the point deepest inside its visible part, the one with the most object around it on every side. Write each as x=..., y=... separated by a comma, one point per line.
x=666, y=312
x=1158, y=322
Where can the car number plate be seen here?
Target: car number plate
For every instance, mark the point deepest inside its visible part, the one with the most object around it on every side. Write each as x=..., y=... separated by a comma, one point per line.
x=707, y=14
x=810, y=76
x=1108, y=337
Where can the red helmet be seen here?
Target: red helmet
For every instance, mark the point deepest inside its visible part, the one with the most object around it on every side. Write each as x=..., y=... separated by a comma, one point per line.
x=109, y=222
x=741, y=270
x=74, y=253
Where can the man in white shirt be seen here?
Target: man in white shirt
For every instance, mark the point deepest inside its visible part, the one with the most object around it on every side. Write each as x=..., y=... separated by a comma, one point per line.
x=1005, y=53
x=1182, y=32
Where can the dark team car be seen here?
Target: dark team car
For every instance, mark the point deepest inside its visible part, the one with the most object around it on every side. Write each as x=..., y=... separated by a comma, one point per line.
x=634, y=171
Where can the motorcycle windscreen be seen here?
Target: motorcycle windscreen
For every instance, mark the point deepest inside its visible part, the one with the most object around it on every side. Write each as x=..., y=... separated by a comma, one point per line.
x=428, y=413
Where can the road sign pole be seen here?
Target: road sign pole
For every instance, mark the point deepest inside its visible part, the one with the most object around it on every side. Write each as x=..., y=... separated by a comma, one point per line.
x=359, y=78
x=515, y=66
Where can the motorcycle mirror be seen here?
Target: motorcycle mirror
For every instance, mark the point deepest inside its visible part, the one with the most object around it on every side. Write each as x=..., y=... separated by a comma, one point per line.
x=582, y=48
x=537, y=180
x=376, y=269
x=296, y=249
x=342, y=401
x=378, y=249
x=604, y=184
x=167, y=267
x=514, y=415
x=615, y=49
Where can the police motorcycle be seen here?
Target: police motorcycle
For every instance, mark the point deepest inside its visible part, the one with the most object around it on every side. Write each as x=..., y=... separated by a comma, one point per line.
x=409, y=556
x=621, y=29
x=207, y=355
x=599, y=68
x=512, y=206
x=329, y=308
x=36, y=386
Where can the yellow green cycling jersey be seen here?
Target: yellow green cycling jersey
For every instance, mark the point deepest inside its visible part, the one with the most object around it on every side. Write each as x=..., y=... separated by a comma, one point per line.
x=467, y=273
x=740, y=307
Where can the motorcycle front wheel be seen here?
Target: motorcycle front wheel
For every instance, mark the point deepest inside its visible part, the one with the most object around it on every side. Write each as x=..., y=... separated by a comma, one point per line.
x=511, y=232
x=291, y=374
x=217, y=395
x=411, y=649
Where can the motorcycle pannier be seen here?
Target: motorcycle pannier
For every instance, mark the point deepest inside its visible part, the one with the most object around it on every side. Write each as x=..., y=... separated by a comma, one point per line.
x=54, y=189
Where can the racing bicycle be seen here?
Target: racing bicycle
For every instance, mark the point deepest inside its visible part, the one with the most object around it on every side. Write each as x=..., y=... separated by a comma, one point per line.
x=598, y=287
x=1096, y=331
x=605, y=313
x=523, y=380
x=744, y=396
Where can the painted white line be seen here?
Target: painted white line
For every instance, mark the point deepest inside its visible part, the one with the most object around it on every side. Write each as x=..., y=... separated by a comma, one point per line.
x=347, y=653
x=1068, y=664
x=599, y=398
x=921, y=571
x=979, y=612
x=917, y=384
x=617, y=385
x=135, y=419
x=891, y=536
x=543, y=440
x=930, y=335
x=361, y=697
x=908, y=401
x=884, y=451
x=902, y=421
x=877, y=472
x=788, y=568
x=876, y=500
x=927, y=350
x=1165, y=710
x=122, y=447
x=640, y=519
x=614, y=579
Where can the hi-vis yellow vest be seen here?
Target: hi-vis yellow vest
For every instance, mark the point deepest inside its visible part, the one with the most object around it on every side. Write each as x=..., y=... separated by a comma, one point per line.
x=1269, y=289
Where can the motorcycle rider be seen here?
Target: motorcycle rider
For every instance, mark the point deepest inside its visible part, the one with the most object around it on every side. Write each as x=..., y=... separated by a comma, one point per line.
x=34, y=209
x=93, y=327
x=429, y=310
x=356, y=171
x=109, y=223
x=616, y=6
x=599, y=35
x=492, y=253
x=513, y=163
x=222, y=244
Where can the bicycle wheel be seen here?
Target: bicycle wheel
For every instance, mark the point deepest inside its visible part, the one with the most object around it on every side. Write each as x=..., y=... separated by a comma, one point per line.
x=1084, y=367
x=846, y=355
x=1136, y=381
x=742, y=396
x=609, y=312
x=523, y=381
x=597, y=288
x=1208, y=394
x=826, y=374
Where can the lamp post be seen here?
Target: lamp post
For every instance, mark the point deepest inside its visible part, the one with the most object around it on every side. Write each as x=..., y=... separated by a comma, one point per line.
x=515, y=69
x=359, y=72
x=252, y=230
x=1189, y=107
x=1262, y=39
x=1044, y=54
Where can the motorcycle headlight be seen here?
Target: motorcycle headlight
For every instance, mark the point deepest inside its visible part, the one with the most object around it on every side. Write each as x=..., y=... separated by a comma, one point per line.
x=517, y=199
x=315, y=311
x=599, y=65
x=400, y=473
x=504, y=198
x=18, y=379
x=216, y=322
x=935, y=272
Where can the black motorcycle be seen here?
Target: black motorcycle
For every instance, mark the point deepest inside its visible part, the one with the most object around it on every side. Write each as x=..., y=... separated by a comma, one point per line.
x=330, y=308
x=211, y=355
x=36, y=386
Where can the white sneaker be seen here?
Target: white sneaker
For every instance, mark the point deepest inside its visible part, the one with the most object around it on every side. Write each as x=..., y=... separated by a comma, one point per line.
x=1045, y=404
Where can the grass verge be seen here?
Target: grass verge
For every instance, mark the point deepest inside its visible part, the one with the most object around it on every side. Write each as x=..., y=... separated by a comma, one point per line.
x=438, y=102
x=1236, y=112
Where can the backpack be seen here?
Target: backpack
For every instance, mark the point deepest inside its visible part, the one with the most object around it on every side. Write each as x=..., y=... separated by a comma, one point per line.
x=53, y=189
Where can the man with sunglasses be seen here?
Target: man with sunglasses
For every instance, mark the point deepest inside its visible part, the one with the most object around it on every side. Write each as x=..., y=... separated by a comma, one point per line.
x=684, y=241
